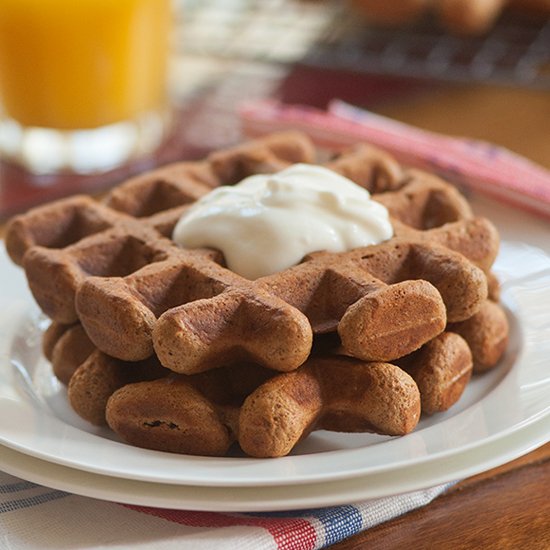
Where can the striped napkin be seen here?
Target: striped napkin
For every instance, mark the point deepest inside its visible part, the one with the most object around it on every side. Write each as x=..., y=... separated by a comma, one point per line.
x=472, y=164
x=36, y=517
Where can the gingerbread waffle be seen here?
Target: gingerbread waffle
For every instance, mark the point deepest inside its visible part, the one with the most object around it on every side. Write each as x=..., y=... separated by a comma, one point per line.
x=269, y=413
x=282, y=310
x=134, y=290
x=205, y=413
x=159, y=319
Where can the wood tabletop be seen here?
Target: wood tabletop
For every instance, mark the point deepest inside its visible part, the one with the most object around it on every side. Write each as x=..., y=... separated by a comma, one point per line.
x=504, y=508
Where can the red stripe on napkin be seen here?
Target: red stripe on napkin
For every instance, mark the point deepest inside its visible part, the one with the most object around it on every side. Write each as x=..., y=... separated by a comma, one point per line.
x=288, y=533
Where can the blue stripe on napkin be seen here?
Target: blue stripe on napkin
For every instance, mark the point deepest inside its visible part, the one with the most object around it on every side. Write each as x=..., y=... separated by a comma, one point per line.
x=17, y=486
x=29, y=502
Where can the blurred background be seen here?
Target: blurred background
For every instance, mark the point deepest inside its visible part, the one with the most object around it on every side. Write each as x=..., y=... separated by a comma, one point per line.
x=486, y=76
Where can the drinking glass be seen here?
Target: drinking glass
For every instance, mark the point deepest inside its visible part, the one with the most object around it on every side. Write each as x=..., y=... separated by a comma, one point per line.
x=83, y=83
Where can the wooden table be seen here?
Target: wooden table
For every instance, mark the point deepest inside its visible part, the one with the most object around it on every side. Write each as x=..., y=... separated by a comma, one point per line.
x=508, y=507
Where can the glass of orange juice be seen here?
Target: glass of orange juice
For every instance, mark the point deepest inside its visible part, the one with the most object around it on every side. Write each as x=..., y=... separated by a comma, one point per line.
x=83, y=83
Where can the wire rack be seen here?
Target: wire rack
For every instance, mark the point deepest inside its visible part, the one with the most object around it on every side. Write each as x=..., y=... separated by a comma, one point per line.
x=516, y=52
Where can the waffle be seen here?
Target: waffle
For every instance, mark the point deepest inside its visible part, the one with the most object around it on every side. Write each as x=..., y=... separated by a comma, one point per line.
x=151, y=407
x=136, y=317
x=456, y=16
x=277, y=414
x=133, y=290
x=202, y=414
x=282, y=311
x=267, y=413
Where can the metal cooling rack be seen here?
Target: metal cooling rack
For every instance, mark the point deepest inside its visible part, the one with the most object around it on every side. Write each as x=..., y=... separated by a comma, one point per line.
x=324, y=34
x=515, y=52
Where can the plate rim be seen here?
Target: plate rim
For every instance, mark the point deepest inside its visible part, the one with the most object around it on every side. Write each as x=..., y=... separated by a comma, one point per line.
x=268, y=498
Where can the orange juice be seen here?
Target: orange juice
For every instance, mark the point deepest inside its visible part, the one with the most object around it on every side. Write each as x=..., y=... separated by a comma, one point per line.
x=77, y=64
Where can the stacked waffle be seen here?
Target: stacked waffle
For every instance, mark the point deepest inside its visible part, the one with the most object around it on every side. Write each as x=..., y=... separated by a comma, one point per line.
x=175, y=352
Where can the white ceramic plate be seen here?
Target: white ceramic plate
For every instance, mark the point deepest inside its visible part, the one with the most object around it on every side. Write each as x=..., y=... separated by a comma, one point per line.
x=283, y=497
x=495, y=406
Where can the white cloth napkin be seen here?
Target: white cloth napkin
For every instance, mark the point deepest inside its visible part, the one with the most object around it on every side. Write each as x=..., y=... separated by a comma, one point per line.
x=36, y=517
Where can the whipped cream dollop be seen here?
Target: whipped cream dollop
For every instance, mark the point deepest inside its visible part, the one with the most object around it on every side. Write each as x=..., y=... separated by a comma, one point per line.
x=267, y=223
